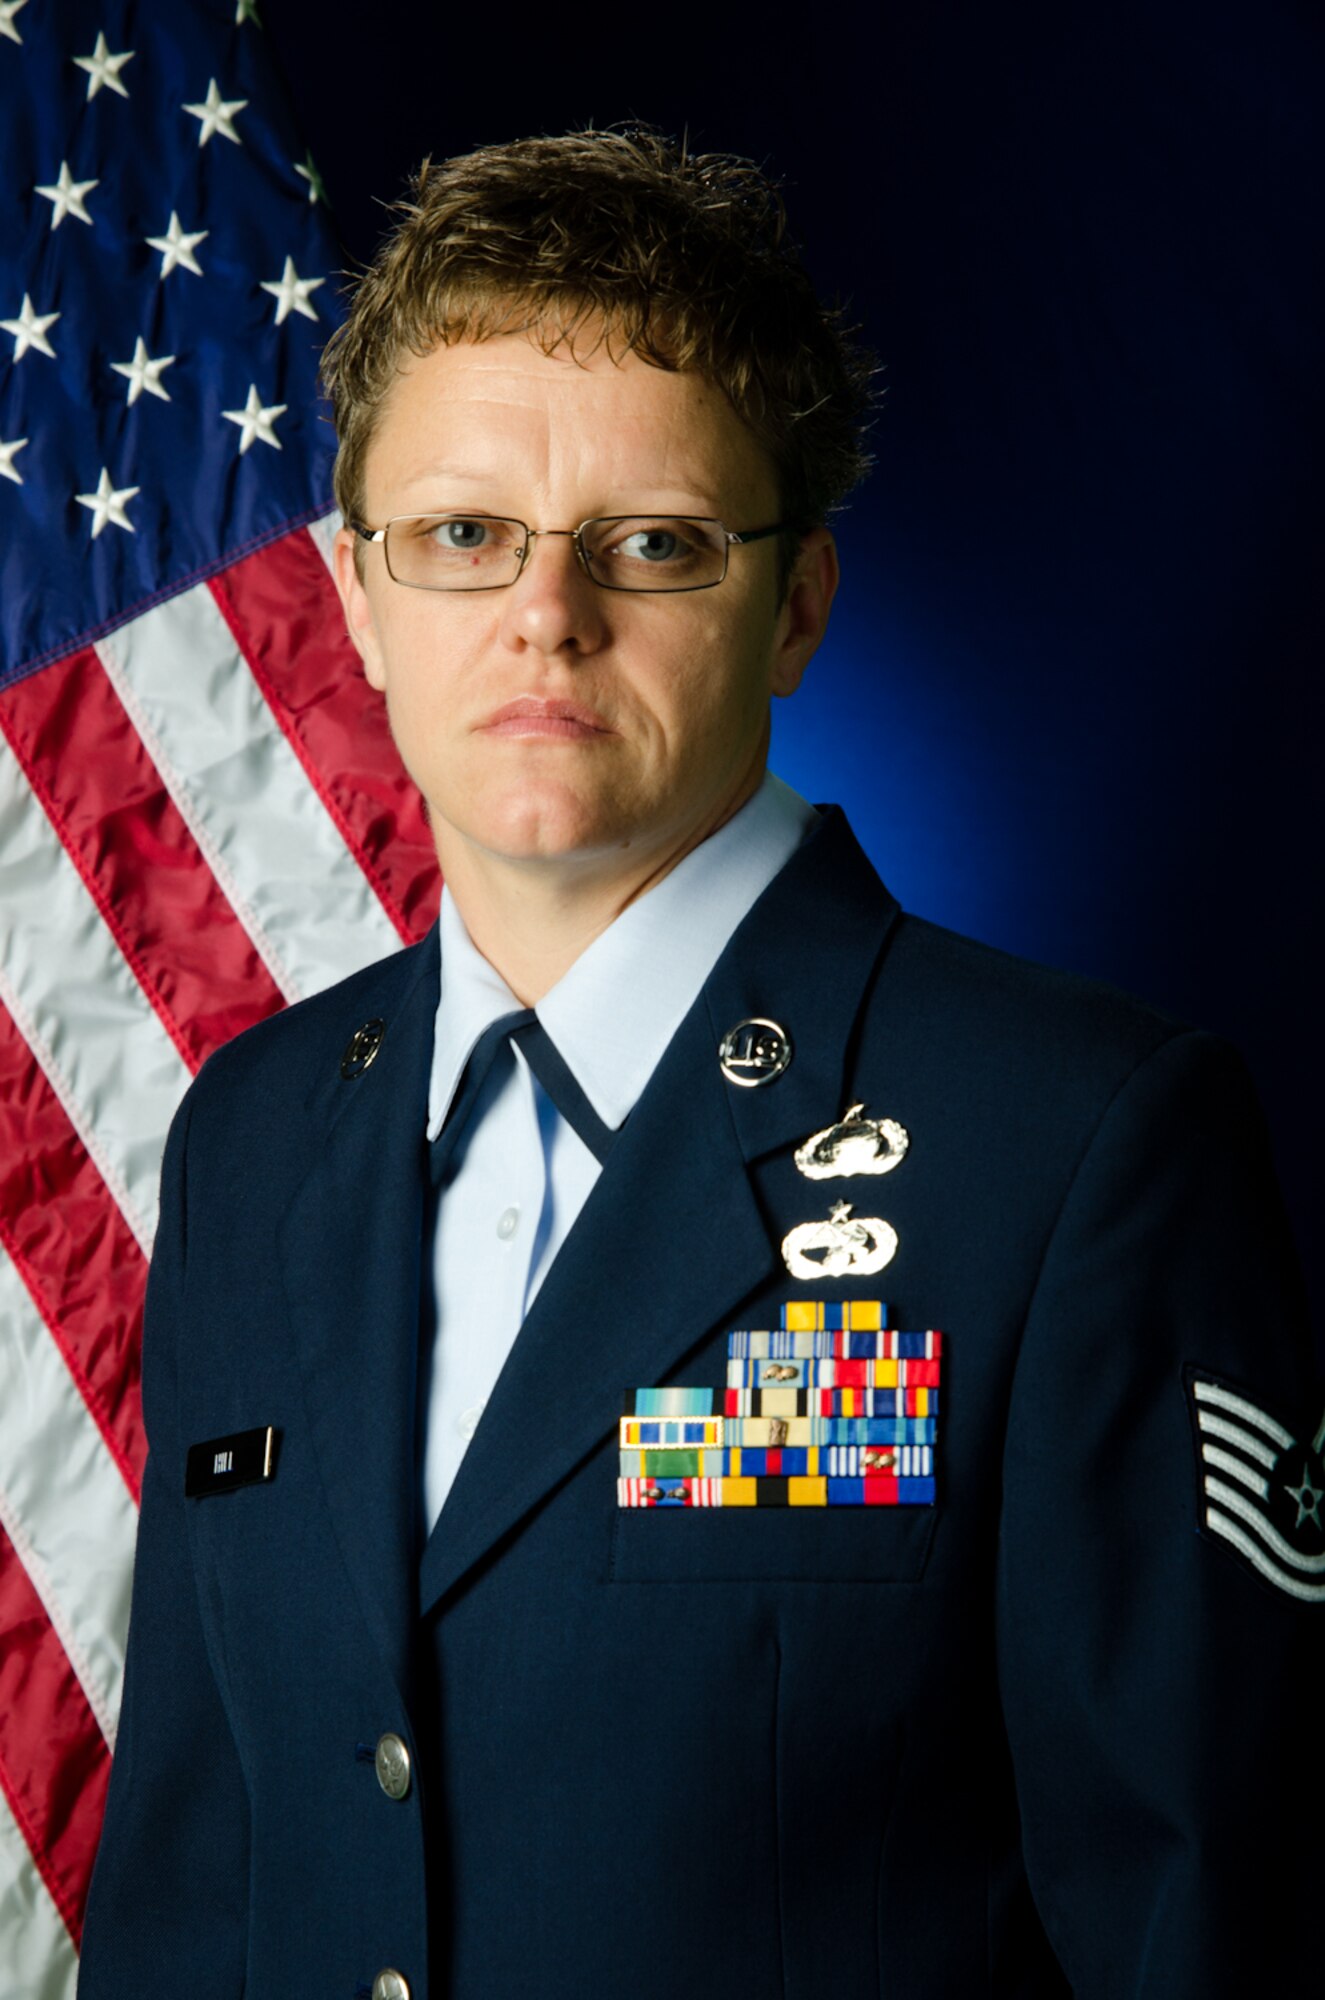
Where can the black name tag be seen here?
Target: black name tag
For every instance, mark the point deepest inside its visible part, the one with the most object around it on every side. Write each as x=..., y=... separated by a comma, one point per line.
x=245, y=1458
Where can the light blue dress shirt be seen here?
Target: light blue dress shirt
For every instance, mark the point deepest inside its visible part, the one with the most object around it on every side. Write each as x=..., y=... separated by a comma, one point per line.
x=521, y=1174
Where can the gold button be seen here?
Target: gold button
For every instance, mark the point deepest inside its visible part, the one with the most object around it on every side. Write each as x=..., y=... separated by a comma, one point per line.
x=391, y=1762
x=390, y=1985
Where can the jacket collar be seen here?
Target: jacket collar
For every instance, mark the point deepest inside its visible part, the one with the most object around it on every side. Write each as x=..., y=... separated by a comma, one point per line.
x=616, y=1009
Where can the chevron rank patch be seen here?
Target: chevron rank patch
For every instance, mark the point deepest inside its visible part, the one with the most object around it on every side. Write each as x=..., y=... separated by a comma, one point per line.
x=1262, y=1490
x=831, y=1409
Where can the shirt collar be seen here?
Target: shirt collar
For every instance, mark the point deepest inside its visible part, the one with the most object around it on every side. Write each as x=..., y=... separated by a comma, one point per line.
x=614, y=1012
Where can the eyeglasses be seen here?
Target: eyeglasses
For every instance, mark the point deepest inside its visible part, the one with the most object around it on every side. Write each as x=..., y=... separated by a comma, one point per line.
x=622, y=552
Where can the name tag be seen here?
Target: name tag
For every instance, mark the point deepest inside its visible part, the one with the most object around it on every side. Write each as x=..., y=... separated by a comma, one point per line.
x=246, y=1458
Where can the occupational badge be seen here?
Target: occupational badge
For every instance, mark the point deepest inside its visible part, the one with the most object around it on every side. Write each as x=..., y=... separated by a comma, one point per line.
x=855, y=1145
x=843, y=1246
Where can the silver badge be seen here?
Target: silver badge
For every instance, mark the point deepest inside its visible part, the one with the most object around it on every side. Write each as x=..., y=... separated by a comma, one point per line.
x=845, y=1246
x=855, y=1145
x=754, y=1052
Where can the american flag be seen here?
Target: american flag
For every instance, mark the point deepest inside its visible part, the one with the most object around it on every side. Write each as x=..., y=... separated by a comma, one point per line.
x=201, y=814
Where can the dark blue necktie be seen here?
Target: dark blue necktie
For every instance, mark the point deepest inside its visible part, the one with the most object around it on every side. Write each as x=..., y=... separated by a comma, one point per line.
x=548, y=1065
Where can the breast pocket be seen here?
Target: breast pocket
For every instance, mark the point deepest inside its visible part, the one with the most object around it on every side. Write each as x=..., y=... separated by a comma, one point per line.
x=860, y=1545
x=805, y=1453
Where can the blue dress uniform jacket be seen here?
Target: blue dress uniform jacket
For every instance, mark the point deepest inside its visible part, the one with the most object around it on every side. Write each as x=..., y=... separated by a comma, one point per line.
x=1047, y=1736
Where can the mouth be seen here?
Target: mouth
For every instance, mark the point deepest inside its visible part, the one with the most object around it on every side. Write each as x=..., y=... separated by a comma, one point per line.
x=532, y=715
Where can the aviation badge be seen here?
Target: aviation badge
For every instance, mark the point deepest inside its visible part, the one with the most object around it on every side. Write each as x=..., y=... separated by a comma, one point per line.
x=854, y=1145
x=1262, y=1489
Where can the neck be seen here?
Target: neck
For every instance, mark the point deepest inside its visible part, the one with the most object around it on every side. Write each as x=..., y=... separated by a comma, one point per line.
x=531, y=919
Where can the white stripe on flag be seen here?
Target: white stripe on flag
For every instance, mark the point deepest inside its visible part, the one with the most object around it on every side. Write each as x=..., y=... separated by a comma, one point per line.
x=275, y=850
x=38, y=1961
x=83, y=1014
x=324, y=532
x=63, y=1503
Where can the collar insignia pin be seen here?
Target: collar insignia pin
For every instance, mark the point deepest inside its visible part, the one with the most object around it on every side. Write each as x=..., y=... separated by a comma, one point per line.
x=754, y=1052
x=855, y=1145
x=843, y=1246
x=361, y=1049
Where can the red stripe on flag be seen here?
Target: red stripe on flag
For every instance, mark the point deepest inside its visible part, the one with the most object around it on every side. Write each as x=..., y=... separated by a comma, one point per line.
x=123, y=832
x=73, y=1250
x=54, y=1764
x=282, y=608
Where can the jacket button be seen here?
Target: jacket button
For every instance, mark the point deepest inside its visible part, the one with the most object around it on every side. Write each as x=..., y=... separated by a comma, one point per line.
x=391, y=1762
x=390, y=1985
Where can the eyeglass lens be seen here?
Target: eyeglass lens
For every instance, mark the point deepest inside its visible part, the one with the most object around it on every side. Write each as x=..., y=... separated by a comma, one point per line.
x=477, y=552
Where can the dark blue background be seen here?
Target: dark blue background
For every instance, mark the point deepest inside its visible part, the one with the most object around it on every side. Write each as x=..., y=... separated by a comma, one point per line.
x=1071, y=692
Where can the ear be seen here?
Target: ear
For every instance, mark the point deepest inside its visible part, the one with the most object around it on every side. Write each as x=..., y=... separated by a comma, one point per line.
x=359, y=620
x=803, y=618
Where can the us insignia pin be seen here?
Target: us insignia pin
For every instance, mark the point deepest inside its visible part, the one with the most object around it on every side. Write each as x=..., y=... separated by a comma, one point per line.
x=855, y=1145
x=754, y=1052
x=842, y=1246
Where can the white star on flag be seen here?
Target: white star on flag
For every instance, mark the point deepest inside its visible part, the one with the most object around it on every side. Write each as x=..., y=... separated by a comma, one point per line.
x=177, y=247
x=144, y=373
x=29, y=330
x=255, y=421
x=67, y=195
x=308, y=172
x=8, y=9
x=108, y=504
x=217, y=115
x=291, y=293
x=8, y=453
x=104, y=68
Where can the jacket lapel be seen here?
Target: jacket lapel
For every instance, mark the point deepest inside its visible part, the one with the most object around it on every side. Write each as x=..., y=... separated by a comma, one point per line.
x=350, y=1249
x=672, y=1239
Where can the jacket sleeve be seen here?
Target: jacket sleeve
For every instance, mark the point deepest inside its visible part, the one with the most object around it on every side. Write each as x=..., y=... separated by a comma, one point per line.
x=1161, y=1693
x=167, y=1910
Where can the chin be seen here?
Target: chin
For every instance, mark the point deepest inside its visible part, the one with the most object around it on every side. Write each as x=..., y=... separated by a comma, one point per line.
x=538, y=824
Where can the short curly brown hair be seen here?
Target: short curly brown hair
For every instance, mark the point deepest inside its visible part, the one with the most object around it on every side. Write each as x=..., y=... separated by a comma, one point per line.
x=623, y=237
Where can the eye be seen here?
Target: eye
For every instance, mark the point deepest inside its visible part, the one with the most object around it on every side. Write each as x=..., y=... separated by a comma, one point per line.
x=461, y=536
x=654, y=544
x=660, y=542
x=656, y=552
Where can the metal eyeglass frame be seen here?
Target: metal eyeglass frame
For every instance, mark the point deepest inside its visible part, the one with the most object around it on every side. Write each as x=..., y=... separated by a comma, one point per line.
x=731, y=539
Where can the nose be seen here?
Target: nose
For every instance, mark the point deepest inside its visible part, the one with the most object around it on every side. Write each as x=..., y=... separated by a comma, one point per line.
x=553, y=606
